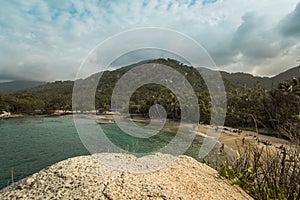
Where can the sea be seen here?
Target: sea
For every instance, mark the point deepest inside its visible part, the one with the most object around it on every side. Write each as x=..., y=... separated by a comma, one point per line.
x=30, y=144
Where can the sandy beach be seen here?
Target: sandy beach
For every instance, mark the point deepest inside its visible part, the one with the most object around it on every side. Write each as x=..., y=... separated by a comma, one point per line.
x=234, y=140
x=229, y=136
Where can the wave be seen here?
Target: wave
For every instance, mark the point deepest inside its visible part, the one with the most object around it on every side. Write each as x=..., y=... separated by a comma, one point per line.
x=204, y=135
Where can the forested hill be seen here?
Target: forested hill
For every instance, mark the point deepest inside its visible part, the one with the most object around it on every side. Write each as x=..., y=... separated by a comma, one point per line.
x=271, y=104
x=231, y=80
x=14, y=86
x=243, y=79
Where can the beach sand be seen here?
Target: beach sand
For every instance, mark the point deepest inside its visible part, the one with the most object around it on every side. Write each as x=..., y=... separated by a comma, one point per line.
x=234, y=140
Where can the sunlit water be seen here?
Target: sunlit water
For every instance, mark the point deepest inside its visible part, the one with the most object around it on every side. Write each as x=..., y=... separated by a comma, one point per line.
x=30, y=144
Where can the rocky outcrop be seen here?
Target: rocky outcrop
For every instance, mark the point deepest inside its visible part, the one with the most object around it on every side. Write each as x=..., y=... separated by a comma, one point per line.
x=85, y=178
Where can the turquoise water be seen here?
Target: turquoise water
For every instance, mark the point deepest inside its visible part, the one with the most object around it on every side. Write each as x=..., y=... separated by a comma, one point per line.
x=30, y=144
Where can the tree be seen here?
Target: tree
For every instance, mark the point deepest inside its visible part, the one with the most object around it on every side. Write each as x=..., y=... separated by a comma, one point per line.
x=283, y=108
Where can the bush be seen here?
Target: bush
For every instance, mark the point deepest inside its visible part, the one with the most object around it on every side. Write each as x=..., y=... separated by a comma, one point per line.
x=265, y=173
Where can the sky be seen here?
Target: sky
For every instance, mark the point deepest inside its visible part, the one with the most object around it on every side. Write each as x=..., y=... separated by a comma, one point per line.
x=48, y=40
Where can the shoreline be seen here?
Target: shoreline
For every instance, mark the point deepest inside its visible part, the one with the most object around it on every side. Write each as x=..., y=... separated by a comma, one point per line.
x=13, y=116
x=236, y=141
x=229, y=137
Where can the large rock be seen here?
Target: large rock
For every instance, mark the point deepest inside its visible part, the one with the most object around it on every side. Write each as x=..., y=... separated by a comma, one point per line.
x=85, y=178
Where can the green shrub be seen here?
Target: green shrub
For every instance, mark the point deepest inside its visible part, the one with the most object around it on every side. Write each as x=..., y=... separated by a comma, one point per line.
x=265, y=173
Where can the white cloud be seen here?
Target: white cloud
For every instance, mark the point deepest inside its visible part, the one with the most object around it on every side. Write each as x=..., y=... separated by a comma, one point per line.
x=46, y=40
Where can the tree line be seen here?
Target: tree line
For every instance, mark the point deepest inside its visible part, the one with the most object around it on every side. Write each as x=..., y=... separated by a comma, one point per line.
x=275, y=111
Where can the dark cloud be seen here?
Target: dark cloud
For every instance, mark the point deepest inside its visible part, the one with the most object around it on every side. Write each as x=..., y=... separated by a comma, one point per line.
x=253, y=39
x=224, y=55
x=290, y=25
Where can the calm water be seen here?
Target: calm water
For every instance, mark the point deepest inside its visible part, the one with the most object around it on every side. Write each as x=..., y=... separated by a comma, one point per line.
x=30, y=144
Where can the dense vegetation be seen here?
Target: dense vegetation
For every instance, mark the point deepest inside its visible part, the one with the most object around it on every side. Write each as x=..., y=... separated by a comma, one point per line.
x=265, y=173
x=268, y=105
x=249, y=105
x=14, y=86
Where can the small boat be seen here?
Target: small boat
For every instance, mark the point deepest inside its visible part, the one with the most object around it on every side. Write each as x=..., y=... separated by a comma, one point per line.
x=105, y=121
x=4, y=114
x=140, y=120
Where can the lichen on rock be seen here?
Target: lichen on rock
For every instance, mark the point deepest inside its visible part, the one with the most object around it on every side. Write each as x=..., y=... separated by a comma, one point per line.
x=84, y=177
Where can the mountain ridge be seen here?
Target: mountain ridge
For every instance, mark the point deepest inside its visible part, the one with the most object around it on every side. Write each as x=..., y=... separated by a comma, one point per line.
x=235, y=80
x=14, y=86
x=249, y=80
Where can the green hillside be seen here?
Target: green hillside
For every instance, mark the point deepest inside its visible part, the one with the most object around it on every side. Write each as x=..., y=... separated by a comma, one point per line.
x=268, y=103
x=243, y=79
x=231, y=80
x=14, y=86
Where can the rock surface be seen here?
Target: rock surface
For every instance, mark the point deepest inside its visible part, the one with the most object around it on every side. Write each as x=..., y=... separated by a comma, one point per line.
x=85, y=178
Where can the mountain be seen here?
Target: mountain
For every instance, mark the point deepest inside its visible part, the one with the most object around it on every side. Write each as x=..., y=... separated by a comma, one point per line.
x=243, y=79
x=13, y=86
x=109, y=78
x=242, y=97
x=287, y=75
x=57, y=87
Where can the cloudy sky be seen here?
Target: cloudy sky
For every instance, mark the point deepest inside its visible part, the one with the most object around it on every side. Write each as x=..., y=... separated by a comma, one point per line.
x=48, y=40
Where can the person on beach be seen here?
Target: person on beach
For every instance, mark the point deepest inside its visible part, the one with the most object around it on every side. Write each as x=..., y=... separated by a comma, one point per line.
x=195, y=127
x=258, y=140
x=217, y=128
x=222, y=148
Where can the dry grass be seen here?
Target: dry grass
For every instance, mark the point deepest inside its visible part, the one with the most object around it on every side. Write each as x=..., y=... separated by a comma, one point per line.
x=265, y=172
